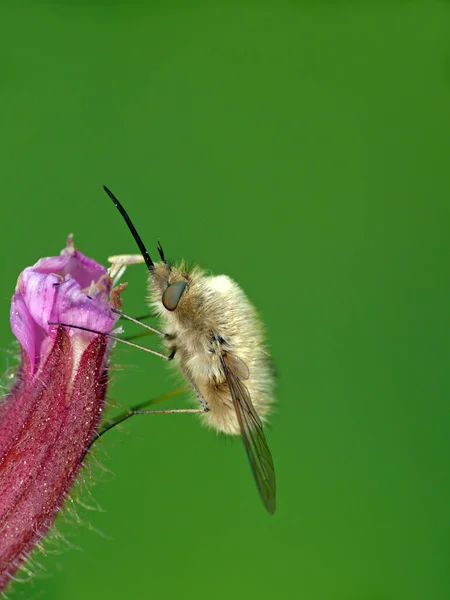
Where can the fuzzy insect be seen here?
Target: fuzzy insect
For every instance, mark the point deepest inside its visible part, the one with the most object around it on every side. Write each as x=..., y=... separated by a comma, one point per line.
x=213, y=333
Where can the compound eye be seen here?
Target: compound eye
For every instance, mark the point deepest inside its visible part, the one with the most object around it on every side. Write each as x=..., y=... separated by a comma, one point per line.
x=173, y=294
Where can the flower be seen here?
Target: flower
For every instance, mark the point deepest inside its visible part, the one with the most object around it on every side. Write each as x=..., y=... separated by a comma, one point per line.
x=53, y=411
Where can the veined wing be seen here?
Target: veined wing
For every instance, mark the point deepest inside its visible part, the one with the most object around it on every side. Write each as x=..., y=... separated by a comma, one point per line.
x=252, y=435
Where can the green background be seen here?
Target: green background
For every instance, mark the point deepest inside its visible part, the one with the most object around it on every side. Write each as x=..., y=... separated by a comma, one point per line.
x=303, y=149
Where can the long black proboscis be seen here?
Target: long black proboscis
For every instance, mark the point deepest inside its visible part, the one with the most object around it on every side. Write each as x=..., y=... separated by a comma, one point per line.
x=131, y=227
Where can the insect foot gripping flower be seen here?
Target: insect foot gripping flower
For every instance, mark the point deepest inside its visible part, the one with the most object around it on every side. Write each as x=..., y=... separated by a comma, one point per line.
x=53, y=411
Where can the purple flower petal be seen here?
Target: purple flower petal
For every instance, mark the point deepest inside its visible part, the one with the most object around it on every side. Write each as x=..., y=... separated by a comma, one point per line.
x=71, y=262
x=69, y=288
x=51, y=415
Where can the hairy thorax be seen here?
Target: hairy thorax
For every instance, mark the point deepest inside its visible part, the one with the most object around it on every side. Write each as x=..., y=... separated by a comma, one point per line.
x=215, y=319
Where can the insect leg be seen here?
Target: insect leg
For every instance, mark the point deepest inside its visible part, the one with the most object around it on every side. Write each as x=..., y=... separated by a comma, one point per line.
x=116, y=339
x=124, y=316
x=136, y=336
x=140, y=409
x=198, y=393
x=141, y=334
x=142, y=317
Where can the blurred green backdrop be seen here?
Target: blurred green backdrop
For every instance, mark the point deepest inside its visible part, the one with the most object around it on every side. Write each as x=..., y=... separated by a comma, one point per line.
x=303, y=149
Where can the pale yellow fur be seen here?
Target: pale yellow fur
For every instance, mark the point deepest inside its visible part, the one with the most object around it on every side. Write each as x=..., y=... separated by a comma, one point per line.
x=214, y=308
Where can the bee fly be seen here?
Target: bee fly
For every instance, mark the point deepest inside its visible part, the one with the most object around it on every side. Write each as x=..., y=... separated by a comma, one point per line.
x=213, y=333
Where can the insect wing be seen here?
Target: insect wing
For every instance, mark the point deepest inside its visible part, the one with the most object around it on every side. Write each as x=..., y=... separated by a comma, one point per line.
x=237, y=366
x=253, y=437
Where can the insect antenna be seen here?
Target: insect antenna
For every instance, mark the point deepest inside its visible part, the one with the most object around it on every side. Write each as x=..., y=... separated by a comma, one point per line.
x=131, y=227
x=161, y=251
x=111, y=336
